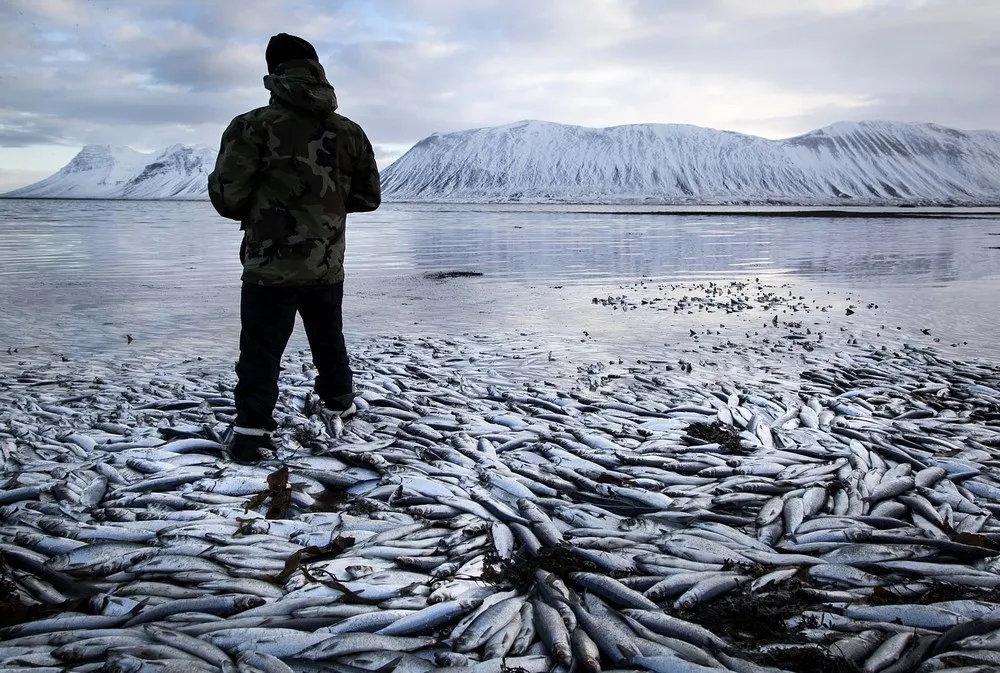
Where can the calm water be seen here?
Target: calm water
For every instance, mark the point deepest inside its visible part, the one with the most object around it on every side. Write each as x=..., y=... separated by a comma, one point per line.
x=77, y=276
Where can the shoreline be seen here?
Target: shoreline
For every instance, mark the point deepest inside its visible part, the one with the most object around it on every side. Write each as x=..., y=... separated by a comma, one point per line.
x=897, y=213
x=741, y=501
x=797, y=209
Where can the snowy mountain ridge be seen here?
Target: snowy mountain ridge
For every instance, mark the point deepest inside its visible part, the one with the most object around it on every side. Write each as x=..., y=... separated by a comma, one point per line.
x=845, y=163
x=117, y=172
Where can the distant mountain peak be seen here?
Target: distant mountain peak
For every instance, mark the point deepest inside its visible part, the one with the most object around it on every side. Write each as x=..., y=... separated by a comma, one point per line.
x=864, y=162
x=120, y=172
x=847, y=162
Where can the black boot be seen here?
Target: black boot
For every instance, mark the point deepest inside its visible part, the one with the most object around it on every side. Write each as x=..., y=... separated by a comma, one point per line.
x=249, y=449
x=348, y=413
x=342, y=406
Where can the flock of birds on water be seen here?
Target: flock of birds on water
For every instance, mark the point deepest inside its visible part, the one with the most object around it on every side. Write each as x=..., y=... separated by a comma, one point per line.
x=793, y=321
x=644, y=518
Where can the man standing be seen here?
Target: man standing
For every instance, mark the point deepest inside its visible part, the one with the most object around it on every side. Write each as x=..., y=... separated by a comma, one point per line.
x=290, y=172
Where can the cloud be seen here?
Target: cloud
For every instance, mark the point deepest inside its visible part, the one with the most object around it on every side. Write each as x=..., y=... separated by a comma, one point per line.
x=153, y=73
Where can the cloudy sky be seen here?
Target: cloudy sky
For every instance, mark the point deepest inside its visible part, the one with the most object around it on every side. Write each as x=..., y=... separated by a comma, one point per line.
x=149, y=73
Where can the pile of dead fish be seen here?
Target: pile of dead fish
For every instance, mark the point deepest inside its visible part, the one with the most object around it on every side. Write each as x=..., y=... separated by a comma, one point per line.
x=841, y=521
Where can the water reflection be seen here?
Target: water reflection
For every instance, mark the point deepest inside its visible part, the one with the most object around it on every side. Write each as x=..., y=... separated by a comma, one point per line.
x=584, y=249
x=78, y=275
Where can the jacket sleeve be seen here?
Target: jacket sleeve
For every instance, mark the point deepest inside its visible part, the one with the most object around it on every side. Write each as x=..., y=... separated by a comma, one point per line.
x=232, y=183
x=366, y=191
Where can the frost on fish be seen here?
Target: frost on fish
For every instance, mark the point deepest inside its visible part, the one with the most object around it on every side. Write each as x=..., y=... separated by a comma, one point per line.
x=841, y=518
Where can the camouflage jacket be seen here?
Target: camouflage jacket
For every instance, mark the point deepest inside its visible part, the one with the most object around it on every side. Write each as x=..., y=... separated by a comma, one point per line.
x=290, y=172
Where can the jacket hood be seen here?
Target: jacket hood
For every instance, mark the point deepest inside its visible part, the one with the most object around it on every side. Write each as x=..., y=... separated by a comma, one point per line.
x=302, y=84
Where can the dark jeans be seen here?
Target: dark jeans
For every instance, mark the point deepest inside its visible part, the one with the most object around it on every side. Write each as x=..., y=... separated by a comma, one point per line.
x=267, y=315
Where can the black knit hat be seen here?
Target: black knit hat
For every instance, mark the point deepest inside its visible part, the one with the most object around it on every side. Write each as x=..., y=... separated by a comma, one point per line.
x=284, y=47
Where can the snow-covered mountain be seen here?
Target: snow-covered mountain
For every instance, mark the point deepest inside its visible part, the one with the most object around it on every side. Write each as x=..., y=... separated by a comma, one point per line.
x=106, y=172
x=846, y=163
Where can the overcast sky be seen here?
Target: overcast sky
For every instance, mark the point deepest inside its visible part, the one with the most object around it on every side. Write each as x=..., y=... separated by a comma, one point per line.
x=149, y=73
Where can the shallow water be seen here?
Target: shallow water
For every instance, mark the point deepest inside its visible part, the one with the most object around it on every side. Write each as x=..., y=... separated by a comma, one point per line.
x=76, y=277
